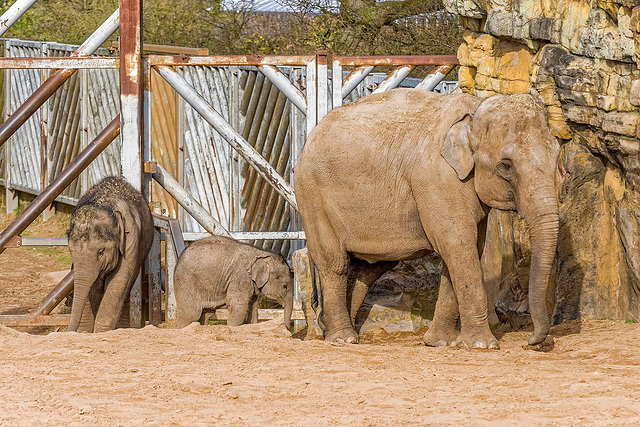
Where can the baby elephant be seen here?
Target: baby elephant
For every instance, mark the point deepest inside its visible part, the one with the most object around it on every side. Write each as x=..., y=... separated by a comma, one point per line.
x=109, y=238
x=217, y=270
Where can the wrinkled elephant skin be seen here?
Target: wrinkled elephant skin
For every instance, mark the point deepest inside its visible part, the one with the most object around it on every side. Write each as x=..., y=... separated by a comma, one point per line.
x=396, y=175
x=218, y=271
x=110, y=235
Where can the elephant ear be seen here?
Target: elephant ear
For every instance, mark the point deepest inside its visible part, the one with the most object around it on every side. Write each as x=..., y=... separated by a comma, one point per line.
x=456, y=149
x=260, y=271
x=121, y=231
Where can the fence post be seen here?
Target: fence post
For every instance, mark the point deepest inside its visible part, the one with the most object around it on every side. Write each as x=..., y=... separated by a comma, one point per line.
x=322, y=85
x=11, y=196
x=336, y=84
x=131, y=118
x=312, y=99
x=84, y=131
x=234, y=157
x=44, y=137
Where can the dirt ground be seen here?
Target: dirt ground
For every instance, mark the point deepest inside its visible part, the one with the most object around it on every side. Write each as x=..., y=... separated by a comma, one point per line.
x=204, y=375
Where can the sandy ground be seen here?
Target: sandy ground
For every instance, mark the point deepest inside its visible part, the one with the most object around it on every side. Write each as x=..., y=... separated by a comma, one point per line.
x=204, y=375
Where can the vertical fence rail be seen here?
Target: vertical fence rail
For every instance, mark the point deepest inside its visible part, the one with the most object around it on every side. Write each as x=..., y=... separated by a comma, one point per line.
x=132, y=118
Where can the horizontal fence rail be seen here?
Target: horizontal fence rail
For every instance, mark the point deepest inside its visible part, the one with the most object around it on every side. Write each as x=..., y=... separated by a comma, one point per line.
x=222, y=140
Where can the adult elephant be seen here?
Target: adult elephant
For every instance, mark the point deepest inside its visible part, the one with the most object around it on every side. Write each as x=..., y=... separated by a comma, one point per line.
x=110, y=234
x=396, y=175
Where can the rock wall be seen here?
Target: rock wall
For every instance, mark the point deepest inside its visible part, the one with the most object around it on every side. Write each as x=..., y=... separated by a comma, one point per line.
x=581, y=58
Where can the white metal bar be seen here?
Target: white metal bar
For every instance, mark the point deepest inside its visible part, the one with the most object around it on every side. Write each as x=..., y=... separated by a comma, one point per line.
x=263, y=314
x=322, y=88
x=189, y=204
x=394, y=79
x=312, y=99
x=44, y=241
x=282, y=82
x=229, y=134
x=354, y=78
x=12, y=14
x=434, y=77
x=336, y=84
x=45, y=115
x=171, y=259
x=84, y=131
x=181, y=172
x=58, y=63
x=252, y=235
x=11, y=197
x=228, y=60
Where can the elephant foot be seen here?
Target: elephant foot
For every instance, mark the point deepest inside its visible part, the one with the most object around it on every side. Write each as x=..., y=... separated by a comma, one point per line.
x=440, y=336
x=341, y=336
x=482, y=340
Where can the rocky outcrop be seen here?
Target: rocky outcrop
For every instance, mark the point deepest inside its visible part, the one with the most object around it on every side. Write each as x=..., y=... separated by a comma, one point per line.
x=582, y=59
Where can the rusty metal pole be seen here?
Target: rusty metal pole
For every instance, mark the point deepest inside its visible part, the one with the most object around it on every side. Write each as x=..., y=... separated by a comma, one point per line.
x=61, y=182
x=56, y=295
x=44, y=92
x=131, y=117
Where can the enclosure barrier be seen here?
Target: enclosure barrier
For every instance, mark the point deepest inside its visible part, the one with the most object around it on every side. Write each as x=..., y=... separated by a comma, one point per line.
x=45, y=198
x=306, y=87
x=364, y=65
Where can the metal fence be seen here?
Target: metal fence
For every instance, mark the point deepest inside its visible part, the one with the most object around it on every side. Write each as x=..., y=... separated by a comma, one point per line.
x=55, y=134
x=183, y=142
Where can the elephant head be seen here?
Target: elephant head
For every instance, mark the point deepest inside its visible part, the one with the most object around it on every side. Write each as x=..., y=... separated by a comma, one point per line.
x=272, y=276
x=507, y=144
x=97, y=244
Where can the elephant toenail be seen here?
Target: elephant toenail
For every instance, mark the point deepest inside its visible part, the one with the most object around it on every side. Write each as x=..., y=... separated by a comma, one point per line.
x=494, y=346
x=441, y=343
x=351, y=340
x=463, y=344
x=480, y=344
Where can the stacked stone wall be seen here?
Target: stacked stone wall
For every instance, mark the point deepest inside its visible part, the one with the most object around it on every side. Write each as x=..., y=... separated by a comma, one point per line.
x=581, y=58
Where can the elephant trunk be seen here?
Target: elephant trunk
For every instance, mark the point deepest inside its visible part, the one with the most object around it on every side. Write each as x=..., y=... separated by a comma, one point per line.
x=81, y=285
x=288, y=306
x=541, y=215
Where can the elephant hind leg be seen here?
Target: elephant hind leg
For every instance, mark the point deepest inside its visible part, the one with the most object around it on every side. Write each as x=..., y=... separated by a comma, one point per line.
x=361, y=276
x=188, y=312
x=332, y=263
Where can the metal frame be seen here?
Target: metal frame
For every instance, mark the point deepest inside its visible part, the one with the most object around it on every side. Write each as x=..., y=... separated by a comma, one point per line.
x=133, y=124
x=364, y=65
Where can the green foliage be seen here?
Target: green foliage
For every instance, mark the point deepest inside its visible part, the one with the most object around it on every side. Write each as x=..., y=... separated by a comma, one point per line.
x=64, y=21
x=358, y=27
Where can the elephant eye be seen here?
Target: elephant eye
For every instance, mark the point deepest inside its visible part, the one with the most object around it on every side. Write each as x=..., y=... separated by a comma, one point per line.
x=504, y=168
x=100, y=252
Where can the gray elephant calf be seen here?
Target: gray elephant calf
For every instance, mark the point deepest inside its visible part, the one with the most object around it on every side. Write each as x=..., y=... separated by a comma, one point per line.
x=216, y=271
x=110, y=236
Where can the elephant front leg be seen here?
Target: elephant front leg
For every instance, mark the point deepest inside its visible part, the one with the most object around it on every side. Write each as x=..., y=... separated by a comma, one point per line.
x=254, y=310
x=117, y=289
x=463, y=264
x=444, y=328
x=239, y=311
